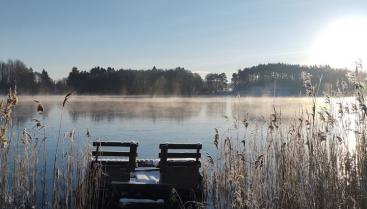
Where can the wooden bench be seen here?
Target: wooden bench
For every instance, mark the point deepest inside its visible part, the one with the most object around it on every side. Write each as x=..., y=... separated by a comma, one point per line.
x=180, y=169
x=118, y=164
x=178, y=173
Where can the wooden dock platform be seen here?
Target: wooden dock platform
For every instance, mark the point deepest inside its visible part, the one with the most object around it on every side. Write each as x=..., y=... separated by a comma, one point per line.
x=128, y=182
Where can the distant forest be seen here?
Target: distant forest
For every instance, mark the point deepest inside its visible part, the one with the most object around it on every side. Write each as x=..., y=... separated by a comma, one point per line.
x=269, y=79
x=287, y=80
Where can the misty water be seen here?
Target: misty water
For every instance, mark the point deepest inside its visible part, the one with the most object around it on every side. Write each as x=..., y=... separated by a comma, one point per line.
x=149, y=121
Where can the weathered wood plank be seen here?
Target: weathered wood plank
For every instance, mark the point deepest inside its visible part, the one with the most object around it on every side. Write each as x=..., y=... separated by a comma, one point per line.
x=183, y=163
x=180, y=155
x=115, y=144
x=112, y=163
x=111, y=153
x=180, y=146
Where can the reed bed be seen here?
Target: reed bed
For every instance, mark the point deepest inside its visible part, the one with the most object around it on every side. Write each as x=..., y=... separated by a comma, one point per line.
x=318, y=160
x=28, y=179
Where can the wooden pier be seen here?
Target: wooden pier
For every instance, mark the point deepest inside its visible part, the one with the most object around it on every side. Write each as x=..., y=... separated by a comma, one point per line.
x=128, y=182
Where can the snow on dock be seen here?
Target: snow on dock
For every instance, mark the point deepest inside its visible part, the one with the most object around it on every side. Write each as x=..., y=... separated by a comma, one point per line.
x=145, y=175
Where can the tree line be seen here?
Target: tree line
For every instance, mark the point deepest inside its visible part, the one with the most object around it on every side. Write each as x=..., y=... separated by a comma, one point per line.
x=281, y=79
x=99, y=80
x=266, y=79
x=16, y=74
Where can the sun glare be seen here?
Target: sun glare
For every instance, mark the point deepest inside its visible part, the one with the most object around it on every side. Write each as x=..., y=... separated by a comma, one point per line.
x=341, y=43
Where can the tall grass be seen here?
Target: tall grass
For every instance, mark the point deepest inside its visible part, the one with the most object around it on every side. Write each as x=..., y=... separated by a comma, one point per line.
x=29, y=180
x=316, y=160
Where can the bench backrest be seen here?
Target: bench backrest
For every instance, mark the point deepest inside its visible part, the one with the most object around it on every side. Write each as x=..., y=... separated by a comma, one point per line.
x=131, y=154
x=175, y=170
x=166, y=154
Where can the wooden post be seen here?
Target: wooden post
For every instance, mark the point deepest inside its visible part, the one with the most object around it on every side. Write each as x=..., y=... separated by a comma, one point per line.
x=164, y=150
x=132, y=157
x=198, y=154
x=97, y=152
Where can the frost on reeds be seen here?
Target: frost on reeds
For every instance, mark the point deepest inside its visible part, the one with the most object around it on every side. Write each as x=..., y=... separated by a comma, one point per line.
x=30, y=179
x=317, y=160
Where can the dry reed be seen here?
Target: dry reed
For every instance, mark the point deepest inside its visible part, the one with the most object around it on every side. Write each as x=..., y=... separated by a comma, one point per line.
x=317, y=160
x=25, y=170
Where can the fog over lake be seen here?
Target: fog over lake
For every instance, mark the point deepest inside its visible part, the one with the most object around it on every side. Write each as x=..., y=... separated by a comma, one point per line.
x=150, y=121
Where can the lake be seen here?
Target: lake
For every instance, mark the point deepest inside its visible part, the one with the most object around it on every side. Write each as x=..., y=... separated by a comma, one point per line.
x=149, y=121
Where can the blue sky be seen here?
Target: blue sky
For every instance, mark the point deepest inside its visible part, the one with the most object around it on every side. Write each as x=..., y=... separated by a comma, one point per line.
x=203, y=36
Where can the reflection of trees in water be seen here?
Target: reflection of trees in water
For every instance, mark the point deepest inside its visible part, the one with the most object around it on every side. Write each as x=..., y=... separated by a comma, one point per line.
x=262, y=108
x=27, y=110
x=96, y=109
x=216, y=109
x=111, y=110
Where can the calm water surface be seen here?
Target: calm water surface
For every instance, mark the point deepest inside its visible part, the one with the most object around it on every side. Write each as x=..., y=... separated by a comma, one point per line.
x=149, y=121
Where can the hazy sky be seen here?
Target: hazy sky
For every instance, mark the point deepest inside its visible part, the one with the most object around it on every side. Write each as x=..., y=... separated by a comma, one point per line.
x=214, y=36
